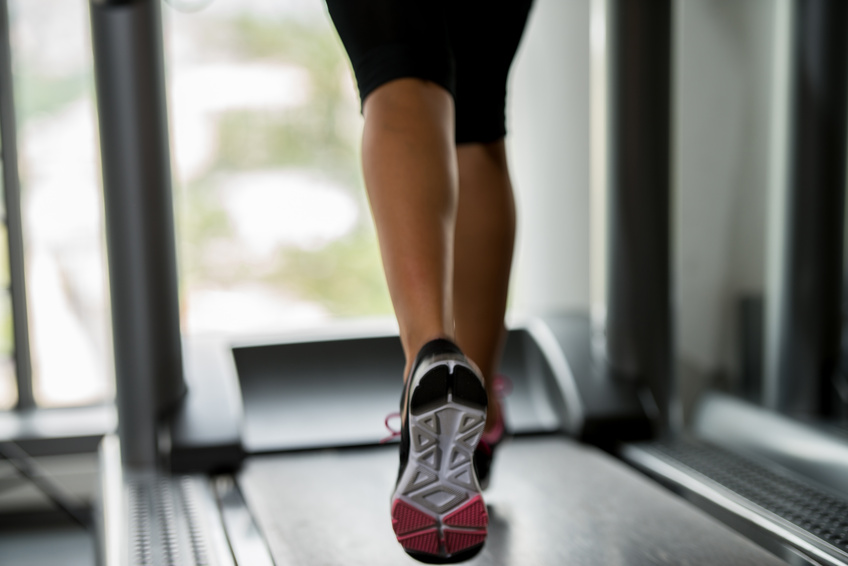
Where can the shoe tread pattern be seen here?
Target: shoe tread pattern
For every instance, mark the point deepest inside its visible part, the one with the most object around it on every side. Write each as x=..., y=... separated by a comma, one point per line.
x=447, y=416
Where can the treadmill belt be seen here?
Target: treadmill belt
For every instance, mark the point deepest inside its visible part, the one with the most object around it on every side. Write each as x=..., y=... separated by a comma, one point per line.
x=552, y=501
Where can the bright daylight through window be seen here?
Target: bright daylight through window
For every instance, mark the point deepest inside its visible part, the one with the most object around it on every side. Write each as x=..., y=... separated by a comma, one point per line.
x=8, y=387
x=61, y=201
x=273, y=231
x=273, y=227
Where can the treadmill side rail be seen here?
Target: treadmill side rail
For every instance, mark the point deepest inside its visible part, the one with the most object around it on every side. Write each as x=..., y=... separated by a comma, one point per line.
x=111, y=519
x=597, y=406
x=206, y=428
x=792, y=517
x=819, y=453
x=154, y=519
x=246, y=540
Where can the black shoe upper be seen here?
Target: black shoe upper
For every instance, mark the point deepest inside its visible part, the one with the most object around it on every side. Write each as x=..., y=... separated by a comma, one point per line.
x=440, y=346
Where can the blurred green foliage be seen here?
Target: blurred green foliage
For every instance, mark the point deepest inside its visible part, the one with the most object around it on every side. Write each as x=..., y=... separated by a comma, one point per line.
x=307, y=136
x=37, y=94
x=345, y=276
x=7, y=339
x=8, y=390
x=4, y=257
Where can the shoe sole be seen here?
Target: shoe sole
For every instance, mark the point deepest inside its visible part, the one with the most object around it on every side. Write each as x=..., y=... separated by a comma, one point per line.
x=438, y=513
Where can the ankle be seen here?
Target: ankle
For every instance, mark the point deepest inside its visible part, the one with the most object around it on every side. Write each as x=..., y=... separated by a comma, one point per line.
x=413, y=348
x=493, y=413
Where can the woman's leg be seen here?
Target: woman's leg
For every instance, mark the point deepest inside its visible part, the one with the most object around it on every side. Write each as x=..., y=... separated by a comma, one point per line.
x=410, y=169
x=485, y=234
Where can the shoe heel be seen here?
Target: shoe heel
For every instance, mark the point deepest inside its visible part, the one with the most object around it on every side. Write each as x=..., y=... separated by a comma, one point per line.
x=468, y=389
x=438, y=513
x=431, y=391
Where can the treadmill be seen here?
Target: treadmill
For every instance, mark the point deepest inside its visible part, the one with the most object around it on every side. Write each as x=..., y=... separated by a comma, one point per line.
x=270, y=453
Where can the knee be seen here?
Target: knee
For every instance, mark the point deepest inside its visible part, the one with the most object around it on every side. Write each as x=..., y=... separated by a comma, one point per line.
x=409, y=100
x=491, y=155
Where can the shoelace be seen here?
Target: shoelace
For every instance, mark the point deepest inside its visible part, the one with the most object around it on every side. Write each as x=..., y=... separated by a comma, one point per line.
x=502, y=386
x=393, y=433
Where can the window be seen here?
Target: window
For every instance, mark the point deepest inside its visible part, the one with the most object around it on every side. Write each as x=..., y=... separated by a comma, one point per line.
x=272, y=221
x=8, y=386
x=273, y=226
x=61, y=202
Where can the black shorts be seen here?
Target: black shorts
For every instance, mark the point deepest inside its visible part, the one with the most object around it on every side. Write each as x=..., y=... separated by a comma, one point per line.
x=466, y=46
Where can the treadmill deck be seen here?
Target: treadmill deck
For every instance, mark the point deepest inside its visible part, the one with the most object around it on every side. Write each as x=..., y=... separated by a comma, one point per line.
x=552, y=501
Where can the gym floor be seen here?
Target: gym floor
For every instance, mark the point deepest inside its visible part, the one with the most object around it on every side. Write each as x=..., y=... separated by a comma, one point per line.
x=48, y=545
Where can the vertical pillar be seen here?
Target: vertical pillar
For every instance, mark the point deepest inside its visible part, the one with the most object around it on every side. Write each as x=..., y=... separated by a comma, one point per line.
x=638, y=117
x=803, y=357
x=128, y=63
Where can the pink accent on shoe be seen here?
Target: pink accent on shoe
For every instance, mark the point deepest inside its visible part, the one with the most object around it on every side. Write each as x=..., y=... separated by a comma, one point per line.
x=406, y=519
x=427, y=541
x=472, y=514
x=456, y=541
x=394, y=433
x=502, y=386
x=494, y=436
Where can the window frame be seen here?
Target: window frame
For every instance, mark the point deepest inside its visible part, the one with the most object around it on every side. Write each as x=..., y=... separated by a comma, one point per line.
x=13, y=221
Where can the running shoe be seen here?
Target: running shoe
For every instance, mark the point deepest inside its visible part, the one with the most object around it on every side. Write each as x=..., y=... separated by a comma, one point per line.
x=485, y=452
x=438, y=513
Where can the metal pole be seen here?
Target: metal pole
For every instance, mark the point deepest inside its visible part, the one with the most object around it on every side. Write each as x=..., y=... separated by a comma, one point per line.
x=128, y=62
x=639, y=324
x=14, y=227
x=809, y=300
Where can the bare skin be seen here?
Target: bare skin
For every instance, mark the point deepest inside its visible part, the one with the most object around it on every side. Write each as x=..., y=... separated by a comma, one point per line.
x=446, y=251
x=485, y=236
x=410, y=168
